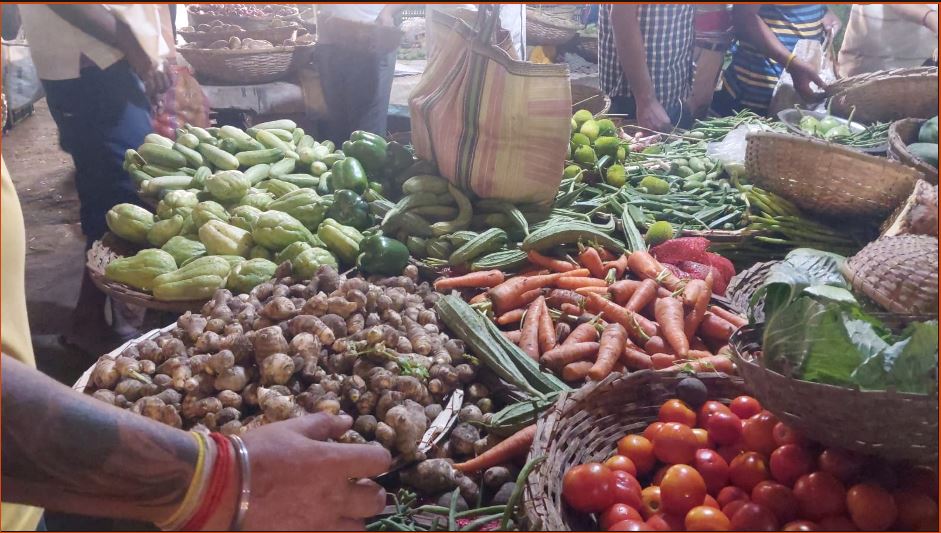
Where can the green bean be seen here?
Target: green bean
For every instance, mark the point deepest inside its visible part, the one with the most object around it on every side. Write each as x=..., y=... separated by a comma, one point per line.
x=518, y=491
x=452, y=510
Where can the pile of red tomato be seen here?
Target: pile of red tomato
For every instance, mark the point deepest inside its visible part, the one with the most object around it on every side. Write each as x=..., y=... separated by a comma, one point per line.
x=736, y=467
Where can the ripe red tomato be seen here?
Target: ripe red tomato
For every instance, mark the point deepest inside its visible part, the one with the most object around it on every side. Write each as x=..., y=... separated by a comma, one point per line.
x=754, y=517
x=702, y=438
x=658, y=475
x=631, y=525
x=665, y=522
x=819, y=495
x=704, y=518
x=711, y=502
x=731, y=451
x=724, y=428
x=652, y=430
x=731, y=493
x=639, y=450
x=682, y=489
x=589, y=487
x=800, y=525
x=841, y=464
x=617, y=513
x=708, y=409
x=626, y=489
x=758, y=433
x=789, y=462
x=871, y=507
x=675, y=443
x=713, y=468
x=916, y=512
x=921, y=479
x=733, y=507
x=784, y=434
x=777, y=498
x=745, y=407
x=650, y=501
x=676, y=411
x=836, y=523
x=621, y=462
x=748, y=470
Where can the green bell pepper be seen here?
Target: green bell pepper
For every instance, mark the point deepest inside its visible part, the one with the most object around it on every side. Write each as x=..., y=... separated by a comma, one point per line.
x=382, y=255
x=342, y=240
x=369, y=149
x=398, y=158
x=348, y=173
x=350, y=209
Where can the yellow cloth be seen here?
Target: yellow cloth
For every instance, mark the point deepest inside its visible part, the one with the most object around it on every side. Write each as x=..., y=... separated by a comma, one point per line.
x=15, y=338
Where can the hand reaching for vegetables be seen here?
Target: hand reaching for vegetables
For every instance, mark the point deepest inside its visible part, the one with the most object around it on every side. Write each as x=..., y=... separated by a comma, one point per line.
x=802, y=74
x=652, y=115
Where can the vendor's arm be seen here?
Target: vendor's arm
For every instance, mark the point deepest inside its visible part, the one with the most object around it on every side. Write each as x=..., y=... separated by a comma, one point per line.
x=387, y=15
x=751, y=28
x=629, y=42
x=11, y=21
x=922, y=14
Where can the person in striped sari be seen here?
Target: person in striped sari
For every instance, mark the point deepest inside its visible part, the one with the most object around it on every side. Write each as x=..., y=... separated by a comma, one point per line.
x=767, y=35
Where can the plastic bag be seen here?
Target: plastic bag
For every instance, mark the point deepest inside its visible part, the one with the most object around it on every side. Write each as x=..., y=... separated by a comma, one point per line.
x=814, y=53
x=730, y=151
x=184, y=103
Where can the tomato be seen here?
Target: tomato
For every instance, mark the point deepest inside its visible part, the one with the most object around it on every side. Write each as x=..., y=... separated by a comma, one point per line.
x=724, y=428
x=675, y=443
x=713, y=469
x=621, y=462
x=745, y=407
x=921, y=479
x=841, y=464
x=702, y=438
x=731, y=451
x=754, y=517
x=800, y=525
x=711, y=502
x=871, y=507
x=758, y=433
x=708, y=409
x=836, y=523
x=652, y=430
x=676, y=411
x=777, y=498
x=748, y=470
x=704, y=518
x=626, y=489
x=733, y=507
x=730, y=494
x=617, y=513
x=639, y=450
x=784, y=434
x=666, y=522
x=916, y=512
x=589, y=487
x=790, y=462
x=819, y=495
x=658, y=475
x=681, y=490
x=630, y=525
x=650, y=501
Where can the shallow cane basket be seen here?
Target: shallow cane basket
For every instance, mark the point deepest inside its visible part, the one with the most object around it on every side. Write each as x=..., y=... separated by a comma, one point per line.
x=273, y=35
x=887, y=95
x=543, y=29
x=245, y=66
x=898, y=426
x=585, y=425
x=744, y=284
x=591, y=98
x=826, y=179
x=249, y=23
x=901, y=134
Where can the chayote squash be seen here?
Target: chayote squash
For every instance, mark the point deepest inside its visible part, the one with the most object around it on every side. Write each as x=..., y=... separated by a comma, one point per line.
x=208, y=210
x=225, y=239
x=245, y=276
x=176, y=203
x=139, y=271
x=164, y=230
x=291, y=251
x=130, y=222
x=276, y=187
x=306, y=263
x=258, y=199
x=184, y=250
x=228, y=185
x=303, y=204
x=260, y=252
x=194, y=281
x=275, y=230
x=244, y=216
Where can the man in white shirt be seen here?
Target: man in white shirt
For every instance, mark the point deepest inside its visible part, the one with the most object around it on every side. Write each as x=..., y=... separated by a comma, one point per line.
x=888, y=36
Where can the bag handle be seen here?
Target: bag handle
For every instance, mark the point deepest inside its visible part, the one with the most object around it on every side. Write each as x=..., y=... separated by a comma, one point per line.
x=828, y=49
x=488, y=19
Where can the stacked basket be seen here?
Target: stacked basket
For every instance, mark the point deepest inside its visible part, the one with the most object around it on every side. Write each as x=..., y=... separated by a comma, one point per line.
x=901, y=134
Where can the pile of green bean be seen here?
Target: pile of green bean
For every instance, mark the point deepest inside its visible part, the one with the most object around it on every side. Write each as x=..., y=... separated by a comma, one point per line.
x=873, y=135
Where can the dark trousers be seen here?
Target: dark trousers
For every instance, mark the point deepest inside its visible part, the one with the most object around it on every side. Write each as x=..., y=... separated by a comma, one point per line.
x=356, y=89
x=100, y=115
x=679, y=115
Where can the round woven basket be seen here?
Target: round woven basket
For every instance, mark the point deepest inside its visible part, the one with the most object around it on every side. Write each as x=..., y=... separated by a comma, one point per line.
x=826, y=179
x=543, y=29
x=585, y=425
x=245, y=66
x=273, y=35
x=591, y=98
x=587, y=47
x=108, y=249
x=918, y=215
x=744, y=284
x=901, y=134
x=888, y=95
x=899, y=273
x=895, y=425
x=248, y=23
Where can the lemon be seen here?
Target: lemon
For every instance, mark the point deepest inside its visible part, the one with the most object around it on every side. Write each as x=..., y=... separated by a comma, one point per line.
x=615, y=176
x=621, y=154
x=571, y=171
x=579, y=139
x=581, y=116
x=655, y=185
x=607, y=146
x=585, y=155
x=574, y=125
x=606, y=128
x=659, y=232
x=589, y=129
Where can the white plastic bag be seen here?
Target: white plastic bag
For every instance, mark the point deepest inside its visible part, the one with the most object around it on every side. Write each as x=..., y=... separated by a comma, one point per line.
x=731, y=150
x=815, y=54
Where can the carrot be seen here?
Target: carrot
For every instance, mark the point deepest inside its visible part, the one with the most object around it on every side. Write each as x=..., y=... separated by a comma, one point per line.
x=576, y=371
x=547, y=338
x=590, y=259
x=508, y=295
x=553, y=264
x=647, y=267
x=573, y=283
x=577, y=273
x=512, y=336
x=662, y=360
x=643, y=295
x=656, y=344
x=663, y=293
x=635, y=359
x=610, y=349
x=699, y=292
x=619, y=265
x=696, y=343
x=562, y=331
x=514, y=446
x=529, y=338
x=717, y=328
x=584, y=332
x=480, y=298
x=475, y=280
x=571, y=309
x=636, y=325
x=528, y=297
x=728, y=316
x=605, y=254
x=603, y=291
x=699, y=354
x=511, y=316
x=557, y=297
x=669, y=313
x=560, y=356
x=715, y=363
x=621, y=291
x=531, y=272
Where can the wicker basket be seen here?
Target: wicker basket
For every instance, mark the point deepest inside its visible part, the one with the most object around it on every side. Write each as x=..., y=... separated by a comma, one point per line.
x=895, y=425
x=901, y=134
x=248, y=23
x=899, y=273
x=591, y=98
x=826, y=179
x=245, y=66
x=888, y=95
x=543, y=29
x=744, y=284
x=587, y=47
x=107, y=250
x=273, y=35
x=585, y=426
x=918, y=215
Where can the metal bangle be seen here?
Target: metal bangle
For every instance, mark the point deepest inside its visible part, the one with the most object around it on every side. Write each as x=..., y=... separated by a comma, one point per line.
x=245, y=475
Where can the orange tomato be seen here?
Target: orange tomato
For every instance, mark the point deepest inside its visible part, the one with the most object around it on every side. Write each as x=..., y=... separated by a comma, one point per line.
x=784, y=434
x=871, y=507
x=819, y=495
x=652, y=430
x=665, y=522
x=754, y=517
x=621, y=462
x=589, y=487
x=731, y=451
x=758, y=433
x=682, y=489
x=789, y=462
x=724, y=428
x=702, y=438
x=675, y=443
x=708, y=409
x=730, y=494
x=630, y=525
x=704, y=518
x=800, y=525
x=748, y=470
x=713, y=469
x=676, y=411
x=777, y=498
x=841, y=464
x=626, y=489
x=650, y=501
x=711, y=502
x=916, y=512
x=639, y=450
x=745, y=407
x=618, y=513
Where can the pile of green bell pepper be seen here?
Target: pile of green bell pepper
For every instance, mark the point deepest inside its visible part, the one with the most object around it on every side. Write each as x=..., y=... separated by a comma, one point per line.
x=349, y=209
x=382, y=255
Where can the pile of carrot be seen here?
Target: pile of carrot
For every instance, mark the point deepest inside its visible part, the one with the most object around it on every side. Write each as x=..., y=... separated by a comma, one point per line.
x=603, y=314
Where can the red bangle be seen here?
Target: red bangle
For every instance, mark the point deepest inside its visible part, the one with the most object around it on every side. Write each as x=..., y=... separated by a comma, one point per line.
x=217, y=483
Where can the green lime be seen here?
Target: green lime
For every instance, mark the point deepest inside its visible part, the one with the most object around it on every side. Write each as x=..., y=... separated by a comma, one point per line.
x=654, y=185
x=659, y=232
x=571, y=171
x=607, y=146
x=615, y=175
x=585, y=155
x=589, y=129
x=621, y=154
x=574, y=125
x=606, y=128
x=581, y=116
x=580, y=139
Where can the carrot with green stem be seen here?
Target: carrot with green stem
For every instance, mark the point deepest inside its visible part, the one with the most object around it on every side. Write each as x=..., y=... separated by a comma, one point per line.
x=645, y=293
x=715, y=363
x=547, y=338
x=635, y=359
x=621, y=291
x=511, y=317
x=662, y=360
x=604, y=253
x=513, y=336
x=529, y=338
x=669, y=314
x=637, y=326
x=557, y=297
x=562, y=331
x=584, y=332
x=728, y=316
x=602, y=291
x=474, y=280
x=577, y=273
x=509, y=294
x=560, y=356
x=505, y=451
x=645, y=266
x=656, y=344
x=699, y=292
x=590, y=259
x=576, y=371
x=619, y=265
x=570, y=309
x=610, y=348
x=478, y=299
x=551, y=263
x=573, y=283
x=716, y=328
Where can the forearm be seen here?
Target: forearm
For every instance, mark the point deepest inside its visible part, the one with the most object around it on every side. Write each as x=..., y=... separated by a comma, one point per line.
x=917, y=14
x=629, y=43
x=92, y=19
x=68, y=452
x=750, y=28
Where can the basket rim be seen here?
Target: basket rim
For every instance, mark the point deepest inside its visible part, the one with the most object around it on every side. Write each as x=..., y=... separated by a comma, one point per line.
x=242, y=51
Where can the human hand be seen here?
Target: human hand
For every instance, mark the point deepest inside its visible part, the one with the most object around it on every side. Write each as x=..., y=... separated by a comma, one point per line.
x=651, y=115
x=156, y=80
x=803, y=74
x=299, y=482
x=831, y=23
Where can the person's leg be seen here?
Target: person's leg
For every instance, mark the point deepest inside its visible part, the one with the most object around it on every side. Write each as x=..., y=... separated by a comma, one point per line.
x=339, y=83
x=375, y=114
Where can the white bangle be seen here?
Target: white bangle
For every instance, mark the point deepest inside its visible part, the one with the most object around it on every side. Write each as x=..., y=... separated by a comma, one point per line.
x=246, y=487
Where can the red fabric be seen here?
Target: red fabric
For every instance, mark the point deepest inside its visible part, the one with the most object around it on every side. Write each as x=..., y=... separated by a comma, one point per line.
x=217, y=483
x=682, y=249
